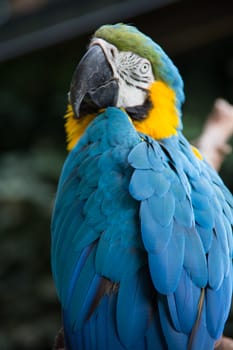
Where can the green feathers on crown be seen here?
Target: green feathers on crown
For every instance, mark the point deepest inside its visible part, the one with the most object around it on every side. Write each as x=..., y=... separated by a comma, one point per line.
x=129, y=38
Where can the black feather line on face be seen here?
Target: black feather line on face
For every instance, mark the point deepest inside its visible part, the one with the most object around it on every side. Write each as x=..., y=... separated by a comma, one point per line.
x=139, y=112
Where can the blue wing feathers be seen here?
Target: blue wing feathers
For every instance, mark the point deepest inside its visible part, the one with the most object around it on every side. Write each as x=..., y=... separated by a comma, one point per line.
x=202, y=340
x=162, y=208
x=134, y=307
x=204, y=220
x=78, y=268
x=153, y=183
x=154, y=221
x=215, y=264
x=62, y=242
x=222, y=236
x=138, y=158
x=206, y=236
x=228, y=228
x=216, y=317
x=153, y=335
x=204, y=232
x=166, y=267
x=155, y=237
x=183, y=212
x=83, y=292
x=186, y=299
x=194, y=258
x=200, y=201
x=175, y=340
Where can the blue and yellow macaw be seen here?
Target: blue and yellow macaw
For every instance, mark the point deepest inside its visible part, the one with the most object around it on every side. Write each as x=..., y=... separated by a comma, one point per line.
x=141, y=230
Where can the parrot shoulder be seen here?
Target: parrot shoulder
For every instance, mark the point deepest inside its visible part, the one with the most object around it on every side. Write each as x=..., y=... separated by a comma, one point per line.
x=91, y=242
x=186, y=218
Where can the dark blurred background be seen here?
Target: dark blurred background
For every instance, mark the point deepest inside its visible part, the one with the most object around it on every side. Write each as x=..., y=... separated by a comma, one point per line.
x=41, y=42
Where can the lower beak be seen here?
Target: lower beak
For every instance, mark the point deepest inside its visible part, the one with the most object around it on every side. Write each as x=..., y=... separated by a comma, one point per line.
x=93, y=86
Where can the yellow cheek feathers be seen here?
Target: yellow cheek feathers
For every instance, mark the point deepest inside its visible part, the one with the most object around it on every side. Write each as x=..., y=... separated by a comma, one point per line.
x=75, y=127
x=163, y=119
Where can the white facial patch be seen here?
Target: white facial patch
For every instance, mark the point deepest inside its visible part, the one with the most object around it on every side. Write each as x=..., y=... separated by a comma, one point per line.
x=133, y=73
x=129, y=96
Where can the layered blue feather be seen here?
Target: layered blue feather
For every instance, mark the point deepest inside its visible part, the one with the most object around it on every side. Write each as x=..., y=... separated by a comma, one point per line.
x=141, y=230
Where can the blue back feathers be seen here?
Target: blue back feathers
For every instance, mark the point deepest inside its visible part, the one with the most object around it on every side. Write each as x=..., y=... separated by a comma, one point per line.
x=141, y=242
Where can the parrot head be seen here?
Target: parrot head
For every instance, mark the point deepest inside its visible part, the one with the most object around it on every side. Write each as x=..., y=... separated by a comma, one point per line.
x=126, y=69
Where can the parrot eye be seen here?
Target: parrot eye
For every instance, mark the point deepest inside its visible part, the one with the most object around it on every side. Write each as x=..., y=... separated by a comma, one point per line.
x=145, y=67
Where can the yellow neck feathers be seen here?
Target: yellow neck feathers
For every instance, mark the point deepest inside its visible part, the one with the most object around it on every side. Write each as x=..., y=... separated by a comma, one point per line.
x=162, y=120
x=75, y=127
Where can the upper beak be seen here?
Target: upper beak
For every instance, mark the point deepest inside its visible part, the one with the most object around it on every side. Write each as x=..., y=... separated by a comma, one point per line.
x=93, y=85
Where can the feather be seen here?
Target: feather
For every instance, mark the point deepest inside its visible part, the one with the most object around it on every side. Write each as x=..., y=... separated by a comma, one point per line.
x=134, y=308
x=108, y=160
x=195, y=264
x=183, y=304
x=166, y=267
x=217, y=307
x=84, y=236
x=155, y=155
x=155, y=335
x=178, y=190
x=138, y=158
x=78, y=268
x=105, y=328
x=146, y=216
x=228, y=212
x=85, y=288
x=155, y=237
x=221, y=233
x=206, y=236
x=203, y=186
x=201, y=339
x=199, y=201
x=183, y=213
x=89, y=169
x=175, y=340
x=162, y=209
x=203, y=219
x=173, y=312
x=120, y=130
x=114, y=260
x=188, y=165
x=65, y=275
x=94, y=216
x=63, y=240
x=215, y=264
x=144, y=183
x=228, y=229
x=99, y=322
x=111, y=181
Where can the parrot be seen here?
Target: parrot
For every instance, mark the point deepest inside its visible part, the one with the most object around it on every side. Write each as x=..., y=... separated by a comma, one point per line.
x=141, y=229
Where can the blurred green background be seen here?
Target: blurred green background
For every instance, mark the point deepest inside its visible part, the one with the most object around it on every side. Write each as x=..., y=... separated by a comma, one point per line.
x=41, y=42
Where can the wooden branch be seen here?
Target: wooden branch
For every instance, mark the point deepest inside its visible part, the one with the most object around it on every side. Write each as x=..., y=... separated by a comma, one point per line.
x=224, y=344
x=217, y=130
x=59, y=341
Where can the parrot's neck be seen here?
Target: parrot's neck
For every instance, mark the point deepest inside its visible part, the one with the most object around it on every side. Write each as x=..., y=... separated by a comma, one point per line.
x=163, y=119
x=75, y=127
x=161, y=122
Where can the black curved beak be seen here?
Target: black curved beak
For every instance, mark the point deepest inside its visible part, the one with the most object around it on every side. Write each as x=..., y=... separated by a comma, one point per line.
x=93, y=86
